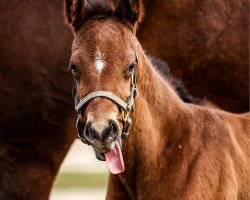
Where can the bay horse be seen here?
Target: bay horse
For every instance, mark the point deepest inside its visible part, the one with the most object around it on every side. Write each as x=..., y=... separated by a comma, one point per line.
x=174, y=150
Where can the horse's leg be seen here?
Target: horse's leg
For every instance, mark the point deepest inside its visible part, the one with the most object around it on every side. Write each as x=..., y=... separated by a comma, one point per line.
x=36, y=106
x=28, y=165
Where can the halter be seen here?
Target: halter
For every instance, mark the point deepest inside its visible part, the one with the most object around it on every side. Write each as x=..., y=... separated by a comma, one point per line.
x=125, y=106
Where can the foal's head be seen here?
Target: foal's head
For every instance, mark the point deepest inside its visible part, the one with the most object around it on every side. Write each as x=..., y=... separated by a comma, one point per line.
x=103, y=59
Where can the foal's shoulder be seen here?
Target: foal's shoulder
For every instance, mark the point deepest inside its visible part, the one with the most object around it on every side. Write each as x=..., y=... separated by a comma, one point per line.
x=234, y=116
x=238, y=120
x=236, y=126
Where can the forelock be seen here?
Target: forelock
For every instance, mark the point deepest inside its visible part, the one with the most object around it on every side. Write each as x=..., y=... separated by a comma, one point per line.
x=100, y=8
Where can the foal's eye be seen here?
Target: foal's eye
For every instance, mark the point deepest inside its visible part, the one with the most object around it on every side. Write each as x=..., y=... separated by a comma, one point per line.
x=73, y=68
x=131, y=67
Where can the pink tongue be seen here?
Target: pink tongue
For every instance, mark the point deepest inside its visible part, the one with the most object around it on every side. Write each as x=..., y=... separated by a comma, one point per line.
x=114, y=160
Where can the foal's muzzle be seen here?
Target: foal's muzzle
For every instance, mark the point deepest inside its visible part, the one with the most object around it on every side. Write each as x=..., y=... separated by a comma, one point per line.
x=109, y=133
x=124, y=106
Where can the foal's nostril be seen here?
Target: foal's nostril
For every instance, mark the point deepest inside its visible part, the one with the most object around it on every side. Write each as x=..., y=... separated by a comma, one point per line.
x=114, y=127
x=91, y=133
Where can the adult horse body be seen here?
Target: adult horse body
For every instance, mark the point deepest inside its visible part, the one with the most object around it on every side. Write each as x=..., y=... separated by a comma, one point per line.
x=175, y=150
x=206, y=44
x=36, y=118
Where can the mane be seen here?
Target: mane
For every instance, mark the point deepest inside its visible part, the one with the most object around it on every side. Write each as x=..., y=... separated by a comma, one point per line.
x=98, y=8
x=163, y=69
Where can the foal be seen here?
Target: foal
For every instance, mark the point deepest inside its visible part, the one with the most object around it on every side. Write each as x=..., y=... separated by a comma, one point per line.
x=175, y=150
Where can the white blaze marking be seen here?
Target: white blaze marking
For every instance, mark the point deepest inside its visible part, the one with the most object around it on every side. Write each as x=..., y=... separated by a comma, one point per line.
x=99, y=61
x=99, y=65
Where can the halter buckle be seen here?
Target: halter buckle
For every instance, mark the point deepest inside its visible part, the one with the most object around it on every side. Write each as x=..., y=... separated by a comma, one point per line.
x=125, y=115
x=126, y=126
x=79, y=127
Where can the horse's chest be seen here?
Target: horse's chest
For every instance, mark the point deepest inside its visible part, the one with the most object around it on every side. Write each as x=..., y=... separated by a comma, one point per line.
x=154, y=190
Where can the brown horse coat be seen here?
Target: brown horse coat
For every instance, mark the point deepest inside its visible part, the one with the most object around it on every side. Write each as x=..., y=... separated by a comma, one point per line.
x=36, y=120
x=206, y=44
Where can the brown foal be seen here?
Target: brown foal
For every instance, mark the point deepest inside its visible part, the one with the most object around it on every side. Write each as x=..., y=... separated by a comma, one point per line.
x=175, y=150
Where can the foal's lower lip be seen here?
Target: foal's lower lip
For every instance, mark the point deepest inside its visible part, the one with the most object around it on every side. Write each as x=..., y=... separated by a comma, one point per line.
x=103, y=156
x=100, y=156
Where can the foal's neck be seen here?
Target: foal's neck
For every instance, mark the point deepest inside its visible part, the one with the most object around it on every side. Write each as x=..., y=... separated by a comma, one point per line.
x=157, y=115
x=158, y=92
x=160, y=119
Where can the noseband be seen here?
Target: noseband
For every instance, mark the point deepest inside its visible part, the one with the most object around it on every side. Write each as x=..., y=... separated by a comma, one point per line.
x=125, y=106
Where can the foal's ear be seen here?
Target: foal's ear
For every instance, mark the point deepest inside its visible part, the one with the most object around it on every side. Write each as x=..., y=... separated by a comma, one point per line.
x=73, y=12
x=78, y=11
x=130, y=11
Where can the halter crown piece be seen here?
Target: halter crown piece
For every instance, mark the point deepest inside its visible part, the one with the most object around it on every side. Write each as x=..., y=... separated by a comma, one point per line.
x=125, y=106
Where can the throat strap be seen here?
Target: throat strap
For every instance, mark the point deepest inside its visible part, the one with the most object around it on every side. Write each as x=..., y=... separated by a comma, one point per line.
x=96, y=94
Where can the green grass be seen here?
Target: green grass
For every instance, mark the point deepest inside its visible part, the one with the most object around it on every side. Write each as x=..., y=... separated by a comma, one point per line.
x=81, y=180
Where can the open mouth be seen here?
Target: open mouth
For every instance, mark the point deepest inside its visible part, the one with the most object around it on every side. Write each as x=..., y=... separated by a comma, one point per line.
x=113, y=158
